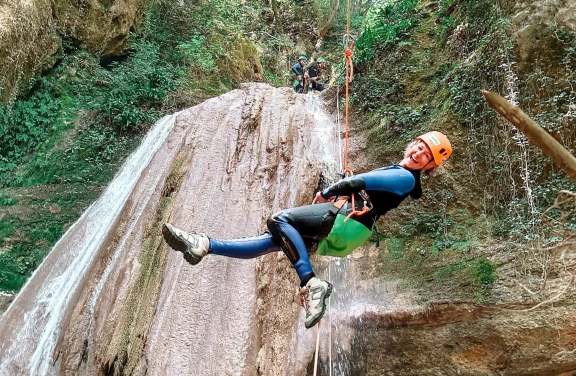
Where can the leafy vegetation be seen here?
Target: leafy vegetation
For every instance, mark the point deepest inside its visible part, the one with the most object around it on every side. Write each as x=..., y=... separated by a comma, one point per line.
x=65, y=140
x=420, y=66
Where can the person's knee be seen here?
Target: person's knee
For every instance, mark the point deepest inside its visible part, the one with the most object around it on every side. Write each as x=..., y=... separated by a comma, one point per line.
x=273, y=222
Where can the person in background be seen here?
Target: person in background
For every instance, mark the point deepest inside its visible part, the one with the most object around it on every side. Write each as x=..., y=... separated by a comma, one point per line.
x=299, y=69
x=341, y=221
x=314, y=73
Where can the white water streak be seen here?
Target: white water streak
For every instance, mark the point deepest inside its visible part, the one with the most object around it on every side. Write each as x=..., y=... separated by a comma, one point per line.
x=324, y=143
x=519, y=139
x=85, y=238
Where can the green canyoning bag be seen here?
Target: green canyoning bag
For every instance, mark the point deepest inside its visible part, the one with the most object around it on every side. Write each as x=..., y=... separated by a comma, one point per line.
x=344, y=238
x=295, y=84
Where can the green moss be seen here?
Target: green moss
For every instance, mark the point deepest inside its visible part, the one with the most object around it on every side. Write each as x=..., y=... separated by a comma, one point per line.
x=8, y=225
x=483, y=271
x=396, y=248
x=7, y=201
x=448, y=270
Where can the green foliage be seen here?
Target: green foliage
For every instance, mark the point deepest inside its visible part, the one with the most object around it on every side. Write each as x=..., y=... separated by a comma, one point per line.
x=386, y=24
x=7, y=201
x=447, y=243
x=134, y=91
x=7, y=226
x=480, y=272
x=396, y=248
x=90, y=158
x=483, y=271
x=198, y=55
x=17, y=264
x=448, y=270
x=26, y=125
x=431, y=224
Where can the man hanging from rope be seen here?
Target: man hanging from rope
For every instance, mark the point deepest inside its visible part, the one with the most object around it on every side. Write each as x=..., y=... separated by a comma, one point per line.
x=334, y=222
x=298, y=70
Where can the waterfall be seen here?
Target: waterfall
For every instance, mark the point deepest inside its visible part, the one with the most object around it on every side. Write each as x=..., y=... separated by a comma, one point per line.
x=325, y=139
x=41, y=307
x=111, y=297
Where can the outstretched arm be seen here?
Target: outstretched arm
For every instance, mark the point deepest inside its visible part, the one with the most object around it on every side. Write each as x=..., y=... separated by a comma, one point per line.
x=344, y=187
x=394, y=180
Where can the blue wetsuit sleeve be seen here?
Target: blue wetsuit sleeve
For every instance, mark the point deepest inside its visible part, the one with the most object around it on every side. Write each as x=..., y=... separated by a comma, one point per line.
x=395, y=180
x=295, y=68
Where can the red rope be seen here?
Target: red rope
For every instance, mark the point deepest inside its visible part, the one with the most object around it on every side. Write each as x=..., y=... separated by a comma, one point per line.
x=349, y=77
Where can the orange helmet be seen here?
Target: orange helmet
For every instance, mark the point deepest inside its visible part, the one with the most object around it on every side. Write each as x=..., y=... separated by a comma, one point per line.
x=438, y=144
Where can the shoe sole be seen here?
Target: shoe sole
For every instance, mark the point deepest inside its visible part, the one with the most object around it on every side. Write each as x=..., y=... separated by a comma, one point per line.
x=175, y=243
x=319, y=316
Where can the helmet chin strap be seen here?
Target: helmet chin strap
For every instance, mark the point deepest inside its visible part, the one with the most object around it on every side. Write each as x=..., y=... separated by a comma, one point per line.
x=430, y=166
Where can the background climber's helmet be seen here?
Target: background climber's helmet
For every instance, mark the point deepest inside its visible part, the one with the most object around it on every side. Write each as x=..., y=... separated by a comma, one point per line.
x=303, y=58
x=438, y=144
x=321, y=60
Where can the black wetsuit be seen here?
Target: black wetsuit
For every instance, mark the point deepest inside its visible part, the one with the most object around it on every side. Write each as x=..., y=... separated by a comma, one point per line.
x=314, y=72
x=290, y=230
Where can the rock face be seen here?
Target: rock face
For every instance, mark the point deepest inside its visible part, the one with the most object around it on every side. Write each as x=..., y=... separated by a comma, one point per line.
x=533, y=23
x=112, y=299
x=31, y=34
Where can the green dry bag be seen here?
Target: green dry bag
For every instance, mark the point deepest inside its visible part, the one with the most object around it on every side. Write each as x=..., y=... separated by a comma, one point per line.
x=344, y=238
x=295, y=84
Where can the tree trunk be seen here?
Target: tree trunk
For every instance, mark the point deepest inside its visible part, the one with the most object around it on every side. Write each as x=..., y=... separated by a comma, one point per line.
x=534, y=132
x=323, y=30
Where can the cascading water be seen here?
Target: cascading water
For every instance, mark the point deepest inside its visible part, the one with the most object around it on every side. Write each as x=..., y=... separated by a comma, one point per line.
x=325, y=139
x=31, y=325
x=336, y=335
x=94, y=307
x=346, y=301
x=519, y=140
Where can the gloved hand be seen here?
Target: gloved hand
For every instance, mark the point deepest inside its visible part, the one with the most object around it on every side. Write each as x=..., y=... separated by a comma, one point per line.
x=319, y=198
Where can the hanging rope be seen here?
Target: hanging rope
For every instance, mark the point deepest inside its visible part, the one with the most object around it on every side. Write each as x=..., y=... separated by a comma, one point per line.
x=329, y=326
x=339, y=130
x=349, y=71
x=317, y=347
x=349, y=77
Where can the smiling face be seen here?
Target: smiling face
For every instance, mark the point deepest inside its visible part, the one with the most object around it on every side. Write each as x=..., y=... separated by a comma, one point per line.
x=418, y=157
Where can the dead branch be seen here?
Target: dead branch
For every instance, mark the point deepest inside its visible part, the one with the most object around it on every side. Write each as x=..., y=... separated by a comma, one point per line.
x=528, y=290
x=558, y=204
x=561, y=245
x=553, y=298
x=534, y=132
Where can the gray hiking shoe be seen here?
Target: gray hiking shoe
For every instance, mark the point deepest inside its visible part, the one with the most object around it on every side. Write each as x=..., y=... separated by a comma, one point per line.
x=193, y=246
x=313, y=298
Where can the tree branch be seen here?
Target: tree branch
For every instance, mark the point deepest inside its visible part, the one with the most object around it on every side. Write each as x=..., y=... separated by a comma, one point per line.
x=534, y=132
